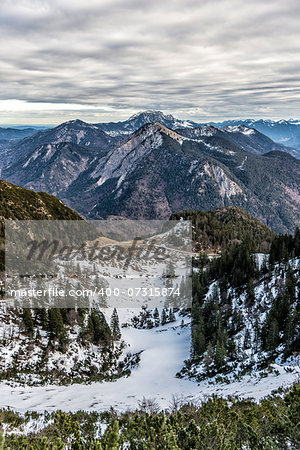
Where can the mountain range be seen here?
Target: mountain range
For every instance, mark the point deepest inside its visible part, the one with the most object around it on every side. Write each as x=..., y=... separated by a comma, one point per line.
x=142, y=118
x=10, y=134
x=156, y=170
x=74, y=131
x=285, y=132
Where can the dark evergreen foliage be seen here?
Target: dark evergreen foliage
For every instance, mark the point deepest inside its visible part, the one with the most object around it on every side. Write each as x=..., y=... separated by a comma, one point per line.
x=97, y=330
x=215, y=425
x=284, y=247
x=215, y=322
x=219, y=229
x=115, y=325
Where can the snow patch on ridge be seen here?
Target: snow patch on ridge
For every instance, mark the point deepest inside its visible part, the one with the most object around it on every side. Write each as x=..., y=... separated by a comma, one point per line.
x=239, y=129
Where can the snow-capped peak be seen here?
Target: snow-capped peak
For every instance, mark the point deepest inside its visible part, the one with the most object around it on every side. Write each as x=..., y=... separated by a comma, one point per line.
x=239, y=129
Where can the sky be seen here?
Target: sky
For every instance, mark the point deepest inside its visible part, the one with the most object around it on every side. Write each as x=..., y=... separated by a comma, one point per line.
x=104, y=60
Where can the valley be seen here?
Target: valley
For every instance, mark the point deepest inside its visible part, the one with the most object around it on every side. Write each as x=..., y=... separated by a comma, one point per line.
x=239, y=338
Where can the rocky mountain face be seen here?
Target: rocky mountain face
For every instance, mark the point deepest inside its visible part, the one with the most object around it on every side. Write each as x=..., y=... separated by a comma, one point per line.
x=8, y=139
x=75, y=132
x=51, y=167
x=156, y=171
x=153, y=175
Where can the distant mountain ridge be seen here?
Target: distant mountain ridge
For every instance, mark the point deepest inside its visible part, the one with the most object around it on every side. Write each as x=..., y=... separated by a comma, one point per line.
x=9, y=137
x=285, y=133
x=249, y=139
x=16, y=133
x=142, y=118
x=74, y=131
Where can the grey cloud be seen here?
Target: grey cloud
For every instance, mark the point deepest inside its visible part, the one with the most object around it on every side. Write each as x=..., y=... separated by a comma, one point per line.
x=217, y=58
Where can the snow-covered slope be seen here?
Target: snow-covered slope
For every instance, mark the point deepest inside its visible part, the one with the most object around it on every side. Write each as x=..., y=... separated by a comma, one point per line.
x=155, y=377
x=163, y=350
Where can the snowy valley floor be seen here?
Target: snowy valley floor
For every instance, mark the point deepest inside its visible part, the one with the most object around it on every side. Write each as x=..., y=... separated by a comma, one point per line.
x=163, y=351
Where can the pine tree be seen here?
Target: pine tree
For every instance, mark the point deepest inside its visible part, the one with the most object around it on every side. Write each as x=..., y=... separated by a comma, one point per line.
x=156, y=317
x=37, y=335
x=115, y=326
x=55, y=323
x=164, y=317
x=41, y=317
x=28, y=321
x=170, y=274
x=170, y=270
x=250, y=294
x=2, y=441
x=172, y=317
x=270, y=333
x=220, y=354
x=183, y=288
x=44, y=318
x=112, y=437
x=198, y=341
x=97, y=330
x=290, y=286
x=247, y=339
x=56, y=328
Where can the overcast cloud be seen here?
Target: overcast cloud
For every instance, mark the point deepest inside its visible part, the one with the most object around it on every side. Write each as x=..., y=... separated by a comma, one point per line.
x=102, y=60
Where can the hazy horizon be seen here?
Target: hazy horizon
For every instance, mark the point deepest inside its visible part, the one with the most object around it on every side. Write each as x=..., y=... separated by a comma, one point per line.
x=54, y=124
